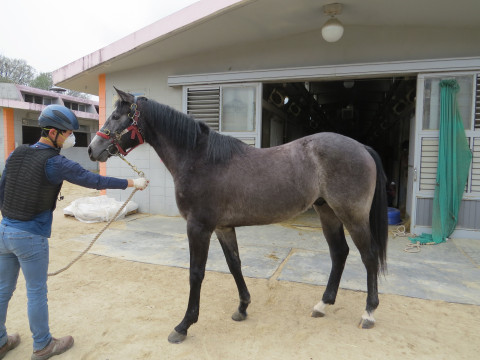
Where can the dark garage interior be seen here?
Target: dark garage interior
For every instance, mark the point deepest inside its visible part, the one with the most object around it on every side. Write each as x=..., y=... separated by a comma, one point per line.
x=375, y=111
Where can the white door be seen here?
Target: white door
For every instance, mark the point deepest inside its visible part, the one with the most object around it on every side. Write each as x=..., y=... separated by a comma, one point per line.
x=426, y=140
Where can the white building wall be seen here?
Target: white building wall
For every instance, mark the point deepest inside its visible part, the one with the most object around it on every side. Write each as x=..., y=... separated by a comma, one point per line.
x=80, y=155
x=9, y=91
x=360, y=45
x=159, y=197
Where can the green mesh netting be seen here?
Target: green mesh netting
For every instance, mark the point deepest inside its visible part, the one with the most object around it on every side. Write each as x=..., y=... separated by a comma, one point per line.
x=454, y=158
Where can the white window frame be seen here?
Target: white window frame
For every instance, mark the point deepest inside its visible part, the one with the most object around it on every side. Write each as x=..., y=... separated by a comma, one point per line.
x=258, y=114
x=250, y=137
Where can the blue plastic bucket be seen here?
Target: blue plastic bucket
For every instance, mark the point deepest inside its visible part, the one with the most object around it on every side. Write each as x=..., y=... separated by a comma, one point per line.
x=393, y=216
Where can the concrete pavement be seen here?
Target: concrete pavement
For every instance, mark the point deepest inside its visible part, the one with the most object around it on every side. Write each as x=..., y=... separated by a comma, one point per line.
x=297, y=251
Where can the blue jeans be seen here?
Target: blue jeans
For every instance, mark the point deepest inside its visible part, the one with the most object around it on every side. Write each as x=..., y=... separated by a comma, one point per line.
x=21, y=249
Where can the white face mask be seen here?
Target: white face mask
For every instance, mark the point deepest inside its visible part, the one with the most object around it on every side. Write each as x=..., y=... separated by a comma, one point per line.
x=69, y=142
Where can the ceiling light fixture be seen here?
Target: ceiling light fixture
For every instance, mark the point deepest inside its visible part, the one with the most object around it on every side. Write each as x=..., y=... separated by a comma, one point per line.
x=332, y=30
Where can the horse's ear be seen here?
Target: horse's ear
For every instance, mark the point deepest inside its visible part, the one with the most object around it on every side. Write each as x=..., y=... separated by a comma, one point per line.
x=125, y=96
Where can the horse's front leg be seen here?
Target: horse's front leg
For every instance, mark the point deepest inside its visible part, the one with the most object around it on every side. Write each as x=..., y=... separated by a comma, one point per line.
x=228, y=240
x=199, y=241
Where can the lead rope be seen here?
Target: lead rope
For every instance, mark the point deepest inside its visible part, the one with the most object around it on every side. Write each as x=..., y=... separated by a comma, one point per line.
x=141, y=174
x=410, y=247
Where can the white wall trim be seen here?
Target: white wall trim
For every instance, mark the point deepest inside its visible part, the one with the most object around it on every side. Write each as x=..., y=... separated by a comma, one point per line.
x=329, y=71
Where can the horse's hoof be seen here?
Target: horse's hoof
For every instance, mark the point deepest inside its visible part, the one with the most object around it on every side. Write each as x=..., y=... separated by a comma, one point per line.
x=366, y=324
x=176, y=338
x=238, y=316
x=317, y=314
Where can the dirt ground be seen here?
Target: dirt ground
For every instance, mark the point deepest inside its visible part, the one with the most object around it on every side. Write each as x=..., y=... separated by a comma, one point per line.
x=117, y=309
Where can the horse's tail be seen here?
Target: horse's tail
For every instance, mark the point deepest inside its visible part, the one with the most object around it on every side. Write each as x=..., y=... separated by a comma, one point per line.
x=379, y=214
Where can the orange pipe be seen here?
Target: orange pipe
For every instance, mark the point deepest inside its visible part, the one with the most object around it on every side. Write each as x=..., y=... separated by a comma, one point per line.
x=102, y=117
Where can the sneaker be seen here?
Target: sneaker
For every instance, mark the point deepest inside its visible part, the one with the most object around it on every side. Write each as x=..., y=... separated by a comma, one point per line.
x=12, y=343
x=56, y=347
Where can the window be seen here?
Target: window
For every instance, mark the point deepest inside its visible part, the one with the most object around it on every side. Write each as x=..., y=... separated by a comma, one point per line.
x=81, y=139
x=30, y=134
x=431, y=104
x=238, y=109
x=468, y=99
x=229, y=109
x=75, y=106
x=204, y=104
x=34, y=99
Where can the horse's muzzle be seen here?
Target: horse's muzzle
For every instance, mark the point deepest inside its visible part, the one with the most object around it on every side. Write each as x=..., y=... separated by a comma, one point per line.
x=90, y=154
x=101, y=156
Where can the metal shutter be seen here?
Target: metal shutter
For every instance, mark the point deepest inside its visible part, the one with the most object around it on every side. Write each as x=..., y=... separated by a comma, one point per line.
x=476, y=166
x=247, y=140
x=204, y=104
x=477, y=103
x=428, y=163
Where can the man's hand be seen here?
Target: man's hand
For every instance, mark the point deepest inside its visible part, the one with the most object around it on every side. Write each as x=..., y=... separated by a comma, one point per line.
x=140, y=183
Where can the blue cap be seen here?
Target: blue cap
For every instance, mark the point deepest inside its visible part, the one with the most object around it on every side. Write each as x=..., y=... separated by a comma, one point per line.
x=59, y=117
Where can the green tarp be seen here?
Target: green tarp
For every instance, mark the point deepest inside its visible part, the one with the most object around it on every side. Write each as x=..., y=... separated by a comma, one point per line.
x=454, y=158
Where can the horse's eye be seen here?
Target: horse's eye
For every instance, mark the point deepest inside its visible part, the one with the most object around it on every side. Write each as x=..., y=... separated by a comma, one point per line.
x=115, y=117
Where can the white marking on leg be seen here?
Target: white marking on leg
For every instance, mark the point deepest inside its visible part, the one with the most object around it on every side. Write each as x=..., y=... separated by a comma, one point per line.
x=368, y=316
x=320, y=307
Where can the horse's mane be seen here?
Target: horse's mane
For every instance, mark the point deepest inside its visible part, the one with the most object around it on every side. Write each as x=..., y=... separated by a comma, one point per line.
x=185, y=131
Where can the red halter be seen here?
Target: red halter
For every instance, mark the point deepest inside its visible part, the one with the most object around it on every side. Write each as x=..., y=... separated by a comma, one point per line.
x=134, y=114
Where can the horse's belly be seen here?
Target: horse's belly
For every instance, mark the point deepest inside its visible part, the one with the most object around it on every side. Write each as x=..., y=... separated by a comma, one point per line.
x=259, y=210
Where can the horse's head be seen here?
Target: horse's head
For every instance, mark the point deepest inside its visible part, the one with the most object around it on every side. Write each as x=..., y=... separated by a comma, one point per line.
x=120, y=133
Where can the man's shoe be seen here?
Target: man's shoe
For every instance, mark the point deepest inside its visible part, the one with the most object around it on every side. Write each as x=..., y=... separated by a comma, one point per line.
x=56, y=347
x=12, y=343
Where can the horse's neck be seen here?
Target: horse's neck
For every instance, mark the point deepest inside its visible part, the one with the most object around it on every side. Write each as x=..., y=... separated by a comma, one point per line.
x=171, y=156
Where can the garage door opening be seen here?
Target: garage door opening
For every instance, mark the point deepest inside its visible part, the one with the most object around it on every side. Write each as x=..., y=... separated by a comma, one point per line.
x=374, y=111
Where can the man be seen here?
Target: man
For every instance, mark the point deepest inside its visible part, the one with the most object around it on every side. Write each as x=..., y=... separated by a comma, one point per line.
x=29, y=188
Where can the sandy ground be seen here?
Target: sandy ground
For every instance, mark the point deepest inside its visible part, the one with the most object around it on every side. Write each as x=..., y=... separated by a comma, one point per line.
x=118, y=309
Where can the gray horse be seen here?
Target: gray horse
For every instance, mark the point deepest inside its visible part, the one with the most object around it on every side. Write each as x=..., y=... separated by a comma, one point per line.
x=222, y=183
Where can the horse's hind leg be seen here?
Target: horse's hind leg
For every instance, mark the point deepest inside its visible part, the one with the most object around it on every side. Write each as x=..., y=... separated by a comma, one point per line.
x=362, y=239
x=199, y=241
x=228, y=241
x=333, y=231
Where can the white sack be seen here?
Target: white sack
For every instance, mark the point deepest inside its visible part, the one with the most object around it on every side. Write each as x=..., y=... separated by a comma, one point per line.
x=97, y=209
